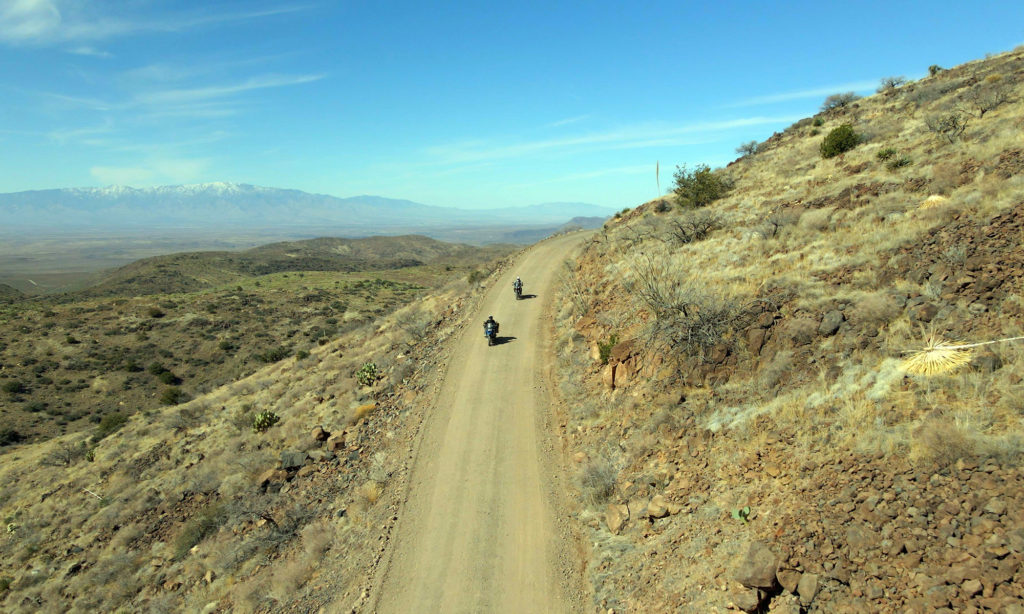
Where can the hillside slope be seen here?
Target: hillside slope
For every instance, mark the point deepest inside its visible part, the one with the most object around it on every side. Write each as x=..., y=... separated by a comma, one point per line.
x=746, y=432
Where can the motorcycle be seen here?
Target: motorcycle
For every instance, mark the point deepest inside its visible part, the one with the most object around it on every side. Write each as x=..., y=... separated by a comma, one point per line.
x=491, y=332
x=519, y=291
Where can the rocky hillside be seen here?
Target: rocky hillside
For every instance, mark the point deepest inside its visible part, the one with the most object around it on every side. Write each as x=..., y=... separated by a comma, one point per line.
x=746, y=432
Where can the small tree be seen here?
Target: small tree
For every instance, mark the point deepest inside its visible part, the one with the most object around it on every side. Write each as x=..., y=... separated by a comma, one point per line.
x=889, y=83
x=699, y=187
x=837, y=101
x=840, y=140
x=747, y=149
x=951, y=125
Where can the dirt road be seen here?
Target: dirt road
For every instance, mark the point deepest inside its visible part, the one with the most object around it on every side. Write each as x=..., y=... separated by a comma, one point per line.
x=482, y=528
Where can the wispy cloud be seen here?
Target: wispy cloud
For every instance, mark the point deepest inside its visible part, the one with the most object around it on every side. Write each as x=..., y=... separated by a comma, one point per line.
x=569, y=120
x=91, y=51
x=42, y=22
x=155, y=171
x=817, y=92
x=625, y=138
x=182, y=95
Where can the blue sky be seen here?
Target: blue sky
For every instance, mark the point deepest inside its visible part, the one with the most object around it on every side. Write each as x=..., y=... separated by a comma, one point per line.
x=472, y=104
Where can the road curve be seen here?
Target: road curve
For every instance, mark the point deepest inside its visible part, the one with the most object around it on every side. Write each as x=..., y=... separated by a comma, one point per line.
x=479, y=530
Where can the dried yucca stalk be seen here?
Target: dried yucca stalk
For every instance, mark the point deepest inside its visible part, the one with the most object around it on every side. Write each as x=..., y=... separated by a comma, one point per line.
x=940, y=356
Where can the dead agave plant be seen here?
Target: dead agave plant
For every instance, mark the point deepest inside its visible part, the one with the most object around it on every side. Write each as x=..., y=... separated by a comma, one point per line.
x=940, y=356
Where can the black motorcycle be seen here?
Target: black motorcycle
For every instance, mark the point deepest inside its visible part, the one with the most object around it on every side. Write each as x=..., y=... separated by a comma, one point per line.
x=491, y=332
x=518, y=289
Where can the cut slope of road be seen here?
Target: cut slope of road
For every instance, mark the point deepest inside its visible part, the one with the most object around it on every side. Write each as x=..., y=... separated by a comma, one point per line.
x=482, y=528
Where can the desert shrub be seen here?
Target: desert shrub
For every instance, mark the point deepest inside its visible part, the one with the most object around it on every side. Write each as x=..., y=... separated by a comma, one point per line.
x=169, y=378
x=172, y=396
x=899, y=162
x=605, y=348
x=686, y=320
x=930, y=92
x=699, y=187
x=109, y=423
x=888, y=83
x=14, y=387
x=5, y=584
x=694, y=226
x=476, y=276
x=818, y=121
x=747, y=149
x=885, y=154
x=934, y=69
x=987, y=96
x=264, y=420
x=274, y=354
x=951, y=126
x=155, y=312
x=198, y=528
x=837, y=101
x=301, y=355
x=65, y=454
x=597, y=482
x=71, y=340
x=9, y=436
x=839, y=140
x=156, y=368
x=367, y=374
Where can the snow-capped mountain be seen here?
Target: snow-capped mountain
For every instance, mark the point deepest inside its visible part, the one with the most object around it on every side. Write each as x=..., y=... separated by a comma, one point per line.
x=235, y=205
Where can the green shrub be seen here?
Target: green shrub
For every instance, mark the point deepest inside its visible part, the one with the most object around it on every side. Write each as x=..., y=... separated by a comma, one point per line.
x=9, y=436
x=899, y=162
x=475, y=276
x=14, y=387
x=169, y=378
x=155, y=312
x=605, y=349
x=172, y=396
x=699, y=187
x=819, y=121
x=934, y=69
x=71, y=340
x=301, y=355
x=264, y=420
x=109, y=424
x=839, y=140
x=886, y=153
x=367, y=374
x=156, y=369
x=275, y=354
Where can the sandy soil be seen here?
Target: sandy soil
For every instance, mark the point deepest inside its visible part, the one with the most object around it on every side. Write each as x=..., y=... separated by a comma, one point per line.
x=483, y=528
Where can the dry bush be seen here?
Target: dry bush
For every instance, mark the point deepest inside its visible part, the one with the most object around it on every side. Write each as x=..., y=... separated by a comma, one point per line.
x=597, y=482
x=877, y=309
x=287, y=578
x=317, y=538
x=694, y=226
x=940, y=439
x=370, y=491
x=816, y=220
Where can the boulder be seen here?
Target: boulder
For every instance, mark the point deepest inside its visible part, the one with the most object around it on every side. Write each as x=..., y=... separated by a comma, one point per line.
x=757, y=567
x=291, y=459
x=319, y=434
x=830, y=323
x=658, y=507
x=615, y=517
x=807, y=588
x=788, y=579
x=336, y=442
x=746, y=599
x=272, y=480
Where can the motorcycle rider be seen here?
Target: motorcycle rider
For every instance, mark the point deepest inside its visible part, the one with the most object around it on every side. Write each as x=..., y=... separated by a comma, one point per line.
x=488, y=323
x=517, y=286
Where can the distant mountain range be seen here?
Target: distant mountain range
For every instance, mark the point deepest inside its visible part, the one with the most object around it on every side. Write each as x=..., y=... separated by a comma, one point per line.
x=243, y=206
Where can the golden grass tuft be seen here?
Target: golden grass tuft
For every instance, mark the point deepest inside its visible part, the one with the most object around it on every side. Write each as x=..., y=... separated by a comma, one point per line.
x=933, y=201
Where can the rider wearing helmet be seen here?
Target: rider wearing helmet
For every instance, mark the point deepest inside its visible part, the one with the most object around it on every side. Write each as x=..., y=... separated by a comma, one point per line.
x=517, y=286
x=490, y=322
